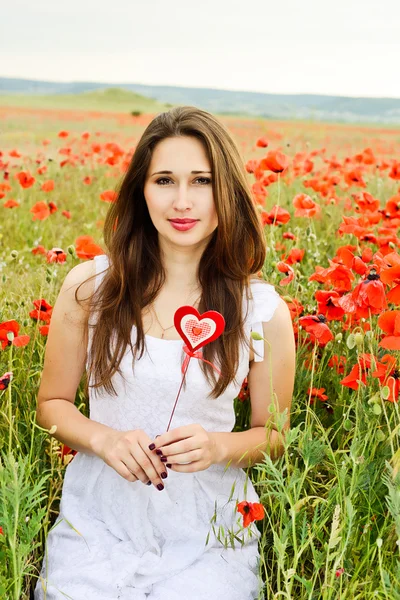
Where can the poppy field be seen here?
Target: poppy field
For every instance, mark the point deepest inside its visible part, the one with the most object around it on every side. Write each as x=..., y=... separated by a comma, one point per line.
x=328, y=196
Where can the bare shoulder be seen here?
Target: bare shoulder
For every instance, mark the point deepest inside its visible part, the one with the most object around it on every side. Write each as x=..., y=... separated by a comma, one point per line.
x=66, y=345
x=280, y=322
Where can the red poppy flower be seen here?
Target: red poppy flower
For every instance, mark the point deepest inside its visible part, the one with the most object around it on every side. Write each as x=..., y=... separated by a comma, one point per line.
x=390, y=274
x=244, y=393
x=274, y=161
x=25, y=179
x=42, y=311
x=12, y=327
x=318, y=331
x=5, y=380
x=395, y=171
x=259, y=193
x=361, y=369
x=251, y=511
x=262, y=142
x=368, y=295
x=66, y=450
x=296, y=255
x=327, y=305
x=39, y=250
x=338, y=363
x=86, y=247
x=317, y=393
x=366, y=202
x=56, y=255
x=108, y=196
x=276, y=216
x=305, y=206
x=11, y=203
x=40, y=211
x=48, y=186
x=389, y=322
x=285, y=268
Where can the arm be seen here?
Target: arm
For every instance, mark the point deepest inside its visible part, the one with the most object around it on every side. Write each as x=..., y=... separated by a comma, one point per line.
x=269, y=378
x=64, y=365
x=244, y=448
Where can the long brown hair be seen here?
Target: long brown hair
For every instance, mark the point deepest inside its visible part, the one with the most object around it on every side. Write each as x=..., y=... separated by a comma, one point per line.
x=135, y=275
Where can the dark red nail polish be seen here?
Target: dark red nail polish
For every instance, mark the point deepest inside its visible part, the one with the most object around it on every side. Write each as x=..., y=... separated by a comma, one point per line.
x=160, y=486
x=148, y=483
x=164, y=459
x=152, y=446
x=168, y=465
x=159, y=452
x=164, y=475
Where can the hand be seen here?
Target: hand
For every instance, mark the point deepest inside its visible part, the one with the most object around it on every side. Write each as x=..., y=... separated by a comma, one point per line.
x=127, y=452
x=188, y=444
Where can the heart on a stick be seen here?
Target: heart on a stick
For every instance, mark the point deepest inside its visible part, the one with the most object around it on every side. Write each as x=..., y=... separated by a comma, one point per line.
x=198, y=330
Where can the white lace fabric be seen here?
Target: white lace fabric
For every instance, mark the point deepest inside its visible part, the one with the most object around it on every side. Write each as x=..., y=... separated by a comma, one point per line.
x=115, y=539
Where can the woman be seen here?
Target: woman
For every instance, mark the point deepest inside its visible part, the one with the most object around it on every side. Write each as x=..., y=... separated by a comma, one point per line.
x=182, y=231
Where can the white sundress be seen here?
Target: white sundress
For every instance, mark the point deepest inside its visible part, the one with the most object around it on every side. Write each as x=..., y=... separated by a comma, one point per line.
x=114, y=539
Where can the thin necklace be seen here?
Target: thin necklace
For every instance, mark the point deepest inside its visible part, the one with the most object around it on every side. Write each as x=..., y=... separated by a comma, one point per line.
x=165, y=329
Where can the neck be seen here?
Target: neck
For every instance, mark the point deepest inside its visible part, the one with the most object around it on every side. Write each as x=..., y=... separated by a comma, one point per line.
x=181, y=266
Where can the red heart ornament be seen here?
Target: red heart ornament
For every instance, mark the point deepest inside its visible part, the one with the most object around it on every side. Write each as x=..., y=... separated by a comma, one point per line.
x=198, y=330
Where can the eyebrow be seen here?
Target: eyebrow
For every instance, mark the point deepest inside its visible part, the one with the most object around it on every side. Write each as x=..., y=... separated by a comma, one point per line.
x=170, y=173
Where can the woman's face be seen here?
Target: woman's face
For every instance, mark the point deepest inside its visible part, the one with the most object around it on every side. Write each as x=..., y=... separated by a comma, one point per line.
x=181, y=194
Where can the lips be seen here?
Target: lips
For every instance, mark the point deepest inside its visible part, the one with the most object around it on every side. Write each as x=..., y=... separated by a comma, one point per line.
x=183, y=220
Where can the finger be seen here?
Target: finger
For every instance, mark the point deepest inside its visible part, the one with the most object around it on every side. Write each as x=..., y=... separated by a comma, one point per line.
x=186, y=457
x=179, y=448
x=134, y=468
x=180, y=433
x=190, y=468
x=152, y=465
x=125, y=472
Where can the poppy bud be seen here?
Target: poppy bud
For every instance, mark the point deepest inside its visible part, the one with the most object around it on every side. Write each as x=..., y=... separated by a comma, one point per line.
x=14, y=253
x=256, y=336
x=358, y=338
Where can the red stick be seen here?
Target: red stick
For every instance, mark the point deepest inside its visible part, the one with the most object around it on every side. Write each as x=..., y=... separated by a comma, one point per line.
x=183, y=379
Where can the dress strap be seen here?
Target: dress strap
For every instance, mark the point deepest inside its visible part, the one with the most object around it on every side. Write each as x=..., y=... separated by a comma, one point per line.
x=265, y=300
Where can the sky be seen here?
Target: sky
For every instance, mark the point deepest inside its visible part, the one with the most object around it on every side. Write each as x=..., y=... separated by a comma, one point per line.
x=346, y=47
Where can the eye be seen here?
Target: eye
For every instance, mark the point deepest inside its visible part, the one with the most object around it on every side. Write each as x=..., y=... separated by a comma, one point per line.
x=206, y=179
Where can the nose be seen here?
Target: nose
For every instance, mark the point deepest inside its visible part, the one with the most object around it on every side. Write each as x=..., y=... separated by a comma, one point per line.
x=182, y=200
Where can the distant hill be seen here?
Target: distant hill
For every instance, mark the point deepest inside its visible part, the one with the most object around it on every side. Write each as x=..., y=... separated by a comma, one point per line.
x=157, y=97
x=105, y=100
